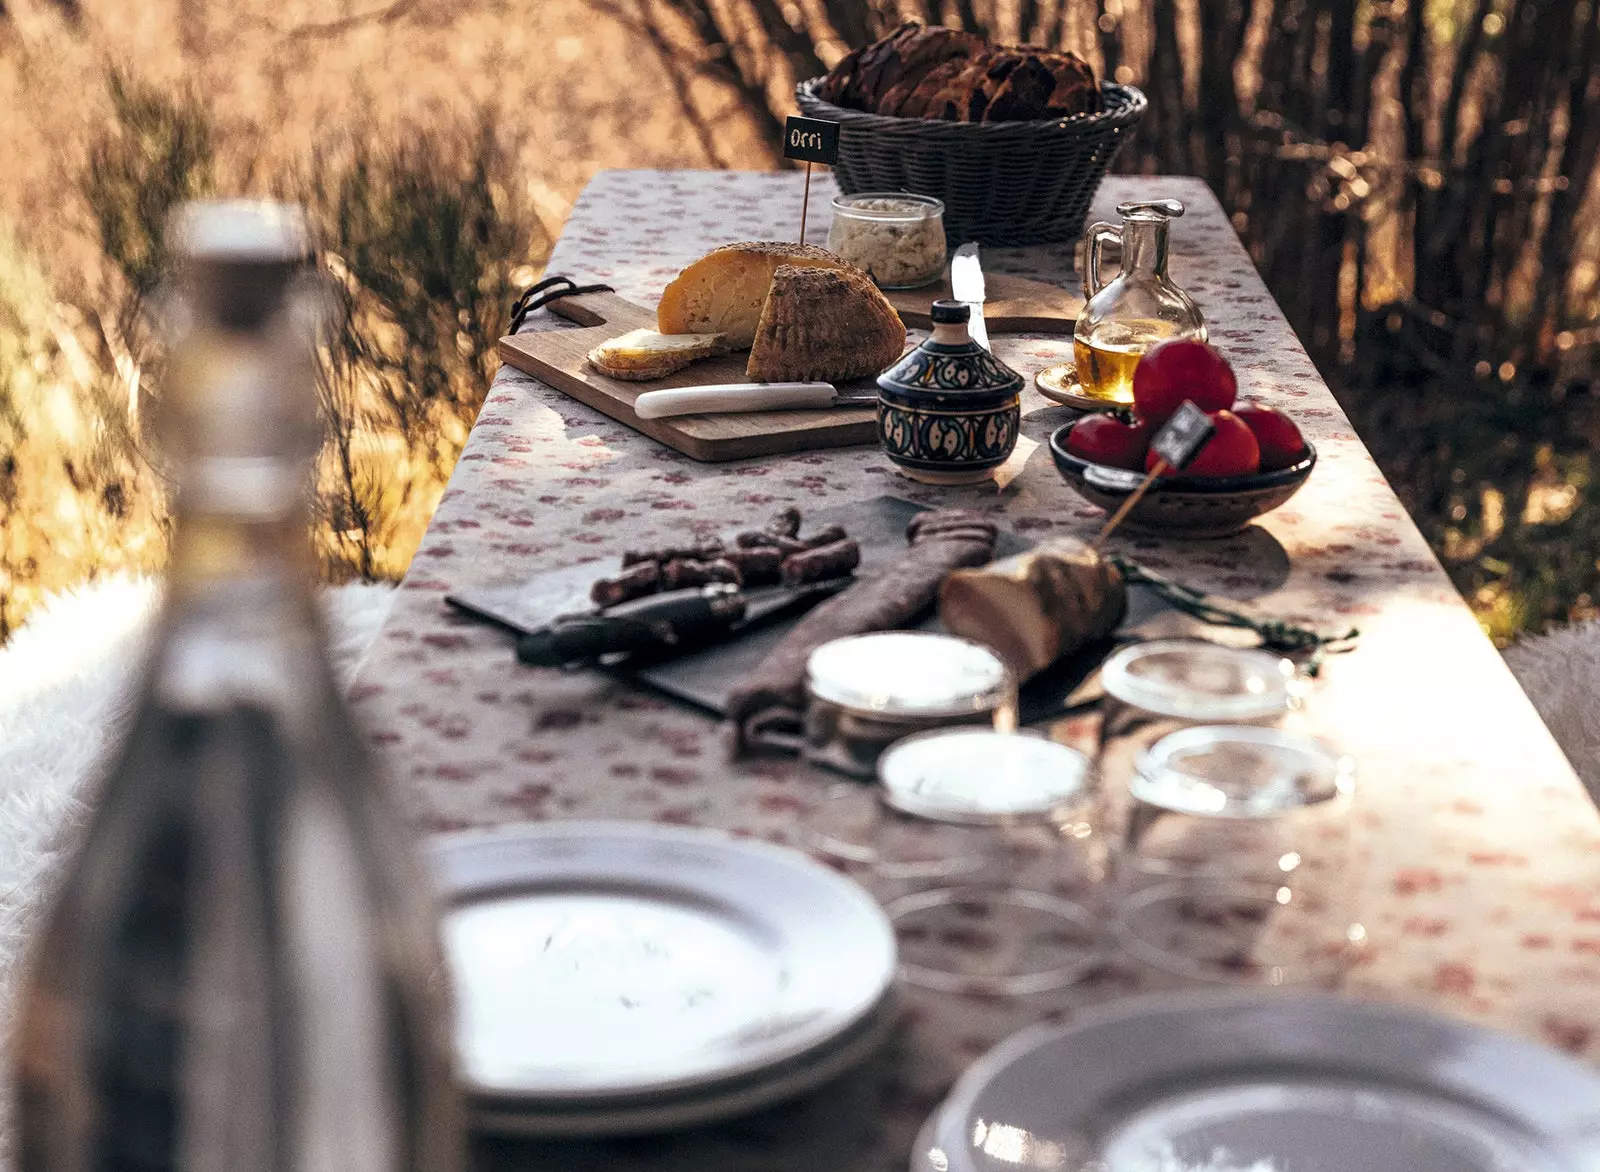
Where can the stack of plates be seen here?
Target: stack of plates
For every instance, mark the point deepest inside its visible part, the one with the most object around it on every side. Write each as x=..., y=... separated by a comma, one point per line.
x=1267, y=1083
x=614, y=978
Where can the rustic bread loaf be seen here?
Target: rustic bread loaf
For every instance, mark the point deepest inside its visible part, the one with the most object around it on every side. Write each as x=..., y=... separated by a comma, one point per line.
x=922, y=72
x=829, y=325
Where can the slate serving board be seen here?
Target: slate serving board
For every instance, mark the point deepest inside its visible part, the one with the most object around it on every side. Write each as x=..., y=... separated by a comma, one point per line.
x=704, y=677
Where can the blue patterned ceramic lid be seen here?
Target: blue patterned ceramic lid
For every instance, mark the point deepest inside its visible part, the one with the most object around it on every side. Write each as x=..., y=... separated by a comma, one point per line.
x=943, y=368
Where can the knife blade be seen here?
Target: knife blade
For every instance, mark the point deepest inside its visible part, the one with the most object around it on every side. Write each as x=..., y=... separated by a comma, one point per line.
x=727, y=397
x=966, y=284
x=665, y=623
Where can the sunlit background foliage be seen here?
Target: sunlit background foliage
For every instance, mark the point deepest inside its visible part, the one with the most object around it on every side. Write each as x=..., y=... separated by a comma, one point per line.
x=1417, y=180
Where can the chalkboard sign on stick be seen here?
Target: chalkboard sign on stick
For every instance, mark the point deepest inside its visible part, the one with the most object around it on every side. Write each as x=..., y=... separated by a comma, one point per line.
x=813, y=140
x=1176, y=444
x=1183, y=435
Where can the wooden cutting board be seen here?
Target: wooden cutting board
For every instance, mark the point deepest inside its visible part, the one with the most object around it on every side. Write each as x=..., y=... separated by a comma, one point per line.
x=557, y=357
x=1013, y=305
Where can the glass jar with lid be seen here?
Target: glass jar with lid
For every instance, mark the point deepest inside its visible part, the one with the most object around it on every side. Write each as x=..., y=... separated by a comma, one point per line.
x=1228, y=827
x=981, y=846
x=867, y=691
x=894, y=237
x=1235, y=864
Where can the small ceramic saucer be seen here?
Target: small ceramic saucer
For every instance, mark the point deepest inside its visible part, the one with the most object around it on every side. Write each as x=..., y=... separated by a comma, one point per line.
x=1059, y=384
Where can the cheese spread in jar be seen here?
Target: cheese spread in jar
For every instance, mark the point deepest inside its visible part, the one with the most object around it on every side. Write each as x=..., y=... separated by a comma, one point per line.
x=895, y=238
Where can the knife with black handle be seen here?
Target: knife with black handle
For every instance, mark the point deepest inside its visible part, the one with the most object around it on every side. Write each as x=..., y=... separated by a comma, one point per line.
x=669, y=622
x=655, y=622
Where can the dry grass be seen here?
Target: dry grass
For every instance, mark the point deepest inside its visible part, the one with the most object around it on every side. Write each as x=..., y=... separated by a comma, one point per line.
x=74, y=497
x=439, y=145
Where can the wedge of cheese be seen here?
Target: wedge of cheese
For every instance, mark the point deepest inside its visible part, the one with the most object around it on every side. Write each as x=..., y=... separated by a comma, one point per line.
x=639, y=355
x=723, y=291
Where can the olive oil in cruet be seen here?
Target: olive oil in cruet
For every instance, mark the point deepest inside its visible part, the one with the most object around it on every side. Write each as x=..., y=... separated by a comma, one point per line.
x=1134, y=311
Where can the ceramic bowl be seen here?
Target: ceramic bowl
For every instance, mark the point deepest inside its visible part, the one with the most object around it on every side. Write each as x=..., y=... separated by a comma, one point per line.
x=949, y=413
x=1201, y=506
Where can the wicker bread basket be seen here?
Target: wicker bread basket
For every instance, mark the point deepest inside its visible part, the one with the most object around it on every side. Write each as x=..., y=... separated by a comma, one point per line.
x=1002, y=183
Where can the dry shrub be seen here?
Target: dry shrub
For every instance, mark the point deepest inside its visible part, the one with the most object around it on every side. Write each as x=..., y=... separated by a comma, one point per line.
x=75, y=497
x=420, y=237
x=157, y=152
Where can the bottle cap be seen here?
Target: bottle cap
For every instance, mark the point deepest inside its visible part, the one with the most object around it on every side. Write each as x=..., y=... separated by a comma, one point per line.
x=238, y=256
x=950, y=312
x=243, y=231
x=1190, y=679
x=238, y=416
x=1225, y=771
x=909, y=674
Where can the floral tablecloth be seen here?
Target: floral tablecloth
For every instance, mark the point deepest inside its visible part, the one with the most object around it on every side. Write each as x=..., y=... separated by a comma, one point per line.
x=1480, y=894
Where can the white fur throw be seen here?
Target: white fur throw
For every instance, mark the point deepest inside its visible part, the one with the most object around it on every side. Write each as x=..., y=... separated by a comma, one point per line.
x=1561, y=674
x=65, y=679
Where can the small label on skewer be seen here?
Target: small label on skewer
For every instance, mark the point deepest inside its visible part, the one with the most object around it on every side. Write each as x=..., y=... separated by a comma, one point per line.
x=1181, y=437
x=1177, y=443
x=812, y=140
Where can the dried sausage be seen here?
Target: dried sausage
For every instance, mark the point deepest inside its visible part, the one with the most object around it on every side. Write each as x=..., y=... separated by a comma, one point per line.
x=834, y=560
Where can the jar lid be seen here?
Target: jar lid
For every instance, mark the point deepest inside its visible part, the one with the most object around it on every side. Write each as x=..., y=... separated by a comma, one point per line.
x=950, y=312
x=1195, y=680
x=1226, y=771
x=889, y=205
x=909, y=673
x=979, y=776
x=941, y=368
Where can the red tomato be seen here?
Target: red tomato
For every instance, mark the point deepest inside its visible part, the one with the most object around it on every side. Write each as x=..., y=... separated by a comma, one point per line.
x=1107, y=439
x=1280, y=440
x=1231, y=451
x=1180, y=369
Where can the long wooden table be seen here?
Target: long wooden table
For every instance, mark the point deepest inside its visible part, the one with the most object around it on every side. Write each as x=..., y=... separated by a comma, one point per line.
x=1480, y=892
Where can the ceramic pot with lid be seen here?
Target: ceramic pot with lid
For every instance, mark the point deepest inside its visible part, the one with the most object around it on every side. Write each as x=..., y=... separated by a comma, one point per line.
x=949, y=411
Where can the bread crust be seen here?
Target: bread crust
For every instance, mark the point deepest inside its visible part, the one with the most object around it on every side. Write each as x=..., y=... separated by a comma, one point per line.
x=918, y=71
x=830, y=325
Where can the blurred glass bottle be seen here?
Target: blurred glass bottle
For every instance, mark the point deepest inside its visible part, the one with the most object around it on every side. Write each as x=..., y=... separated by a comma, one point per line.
x=241, y=971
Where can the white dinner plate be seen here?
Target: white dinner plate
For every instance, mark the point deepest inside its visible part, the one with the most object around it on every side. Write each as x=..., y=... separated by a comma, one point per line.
x=725, y=1100
x=602, y=962
x=1265, y=1082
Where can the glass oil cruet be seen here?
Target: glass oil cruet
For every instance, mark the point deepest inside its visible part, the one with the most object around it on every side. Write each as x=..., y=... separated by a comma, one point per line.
x=241, y=971
x=1138, y=308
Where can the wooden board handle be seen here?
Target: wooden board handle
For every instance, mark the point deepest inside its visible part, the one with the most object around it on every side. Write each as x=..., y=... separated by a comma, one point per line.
x=587, y=309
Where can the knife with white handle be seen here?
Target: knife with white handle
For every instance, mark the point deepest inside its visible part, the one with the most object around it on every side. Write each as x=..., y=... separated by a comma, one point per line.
x=716, y=399
x=966, y=284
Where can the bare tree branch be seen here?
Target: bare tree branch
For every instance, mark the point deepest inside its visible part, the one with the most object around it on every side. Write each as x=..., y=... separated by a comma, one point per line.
x=672, y=60
x=389, y=14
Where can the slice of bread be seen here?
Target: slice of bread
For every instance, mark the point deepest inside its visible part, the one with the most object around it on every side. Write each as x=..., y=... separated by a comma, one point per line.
x=640, y=355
